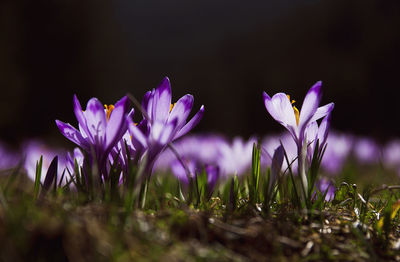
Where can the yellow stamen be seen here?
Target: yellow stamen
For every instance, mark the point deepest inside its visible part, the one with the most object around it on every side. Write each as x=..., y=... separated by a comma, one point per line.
x=296, y=111
x=296, y=114
x=172, y=106
x=109, y=109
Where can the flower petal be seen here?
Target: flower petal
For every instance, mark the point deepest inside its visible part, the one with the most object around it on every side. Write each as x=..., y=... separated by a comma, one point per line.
x=181, y=110
x=311, y=131
x=117, y=126
x=139, y=140
x=72, y=134
x=191, y=124
x=80, y=117
x=162, y=133
x=147, y=103
x=280, y=108
x=323, y=130
x=162, y=101
x=323, y=111
x=96, y=120
x=310, y=104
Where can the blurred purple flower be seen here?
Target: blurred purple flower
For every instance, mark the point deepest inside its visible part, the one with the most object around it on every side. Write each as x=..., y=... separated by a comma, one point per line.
x=271, y=143
x=34, y=150
x=200, y=149
x=100, y=128
x=8, y=158
x=163, y=122
x=391, y=155
x=235, y=158
x=337, y=151
x=179, y=171
x=367, y=151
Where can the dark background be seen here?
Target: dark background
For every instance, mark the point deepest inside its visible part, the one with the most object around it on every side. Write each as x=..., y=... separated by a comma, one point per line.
x=225, y=53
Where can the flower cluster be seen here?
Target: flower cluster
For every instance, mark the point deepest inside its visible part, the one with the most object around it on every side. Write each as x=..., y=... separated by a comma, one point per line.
x=109, y=143
x=108, y=135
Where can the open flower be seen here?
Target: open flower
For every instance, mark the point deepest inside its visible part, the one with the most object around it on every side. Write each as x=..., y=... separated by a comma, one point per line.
x=163, y=121
x=100, y=128
x=281, y=109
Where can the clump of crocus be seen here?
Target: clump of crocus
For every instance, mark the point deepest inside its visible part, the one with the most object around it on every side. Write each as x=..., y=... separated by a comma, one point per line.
x=281, y=108
x=100, y=129
x=163, y=122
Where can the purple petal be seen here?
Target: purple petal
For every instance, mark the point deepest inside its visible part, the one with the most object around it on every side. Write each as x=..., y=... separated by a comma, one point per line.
x=322, y=111
x=191, y=124
x=180, y=172
x=117, y=126
x=312, y=131
x=162, y=133
x=323, y=130
x=213, y=174
x=276, y=165
x=96, y=120
x=280, y=108
x=80, y=117
x=182, y=109
x=162, y=101
x=139, y=140
x=310, y=104
x=72, y=134
x=147, y=103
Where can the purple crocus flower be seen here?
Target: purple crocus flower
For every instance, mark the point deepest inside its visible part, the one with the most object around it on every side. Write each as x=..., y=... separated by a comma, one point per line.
x=34, y=150
x=281, y=109
x=367, y=151
x=100, y=128
x=163, y=122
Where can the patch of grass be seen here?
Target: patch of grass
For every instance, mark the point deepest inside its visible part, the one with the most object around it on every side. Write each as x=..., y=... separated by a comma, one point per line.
x=63, y=226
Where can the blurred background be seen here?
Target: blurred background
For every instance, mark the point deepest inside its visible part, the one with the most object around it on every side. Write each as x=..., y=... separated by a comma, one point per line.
x=225, y=53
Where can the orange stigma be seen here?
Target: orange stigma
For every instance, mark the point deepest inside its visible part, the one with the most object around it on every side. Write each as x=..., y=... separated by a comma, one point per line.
x=296, y=111
x=172, y=106
x=109, y=109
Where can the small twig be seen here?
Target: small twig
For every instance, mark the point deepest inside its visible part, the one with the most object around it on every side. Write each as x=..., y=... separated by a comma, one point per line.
x=384, y=187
